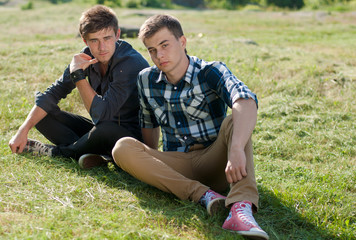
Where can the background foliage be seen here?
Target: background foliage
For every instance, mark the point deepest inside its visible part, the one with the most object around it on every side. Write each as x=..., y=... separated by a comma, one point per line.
x=338, y=5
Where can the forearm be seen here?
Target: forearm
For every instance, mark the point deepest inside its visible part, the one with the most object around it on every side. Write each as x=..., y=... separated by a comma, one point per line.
x=244, y=115
x=35, y=116
x=19, y=140
x=86, y=92
x=151, y=137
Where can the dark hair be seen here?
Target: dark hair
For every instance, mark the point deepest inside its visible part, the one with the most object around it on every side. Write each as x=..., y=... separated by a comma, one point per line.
x=96, y=19
x=157, y=22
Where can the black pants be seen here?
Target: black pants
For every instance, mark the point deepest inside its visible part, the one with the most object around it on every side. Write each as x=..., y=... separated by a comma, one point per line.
x=76, y=135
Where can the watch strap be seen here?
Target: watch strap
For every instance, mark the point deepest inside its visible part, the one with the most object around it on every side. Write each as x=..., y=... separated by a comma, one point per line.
x=77, y=75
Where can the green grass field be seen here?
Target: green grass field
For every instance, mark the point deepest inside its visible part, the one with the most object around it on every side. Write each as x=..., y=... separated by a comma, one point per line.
x=301, y=65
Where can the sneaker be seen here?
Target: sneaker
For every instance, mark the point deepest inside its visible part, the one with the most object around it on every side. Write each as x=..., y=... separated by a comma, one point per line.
x=212, y=201
x=241, y=221
x=34, y=146
x=90, y=160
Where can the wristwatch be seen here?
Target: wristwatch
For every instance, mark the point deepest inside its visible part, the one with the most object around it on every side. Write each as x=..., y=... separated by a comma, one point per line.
x=77, y=75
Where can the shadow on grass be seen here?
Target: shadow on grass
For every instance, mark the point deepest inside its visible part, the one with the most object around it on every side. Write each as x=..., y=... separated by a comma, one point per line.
x=284, y=222
x=278, y=220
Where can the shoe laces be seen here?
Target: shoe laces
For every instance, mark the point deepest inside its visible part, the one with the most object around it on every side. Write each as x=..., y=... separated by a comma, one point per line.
x=207, y=197
x=42, y=149
x=244, y=212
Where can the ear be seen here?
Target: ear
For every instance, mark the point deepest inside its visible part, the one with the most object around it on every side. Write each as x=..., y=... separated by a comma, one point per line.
x=118, y=34
x=183, y=41
x=85, y=41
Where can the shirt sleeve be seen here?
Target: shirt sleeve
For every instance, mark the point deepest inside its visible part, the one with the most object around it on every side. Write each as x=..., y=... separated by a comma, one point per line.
x=227, y=85
x=146, y=114
x=48, y=100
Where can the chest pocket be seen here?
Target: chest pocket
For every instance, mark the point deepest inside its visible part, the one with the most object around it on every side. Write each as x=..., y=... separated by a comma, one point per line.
x=196, y=107
x=159, y=111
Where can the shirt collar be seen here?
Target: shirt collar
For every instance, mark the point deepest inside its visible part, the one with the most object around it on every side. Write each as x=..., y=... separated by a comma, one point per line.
x=189, y=73
x=187, y=77
x=96, y=65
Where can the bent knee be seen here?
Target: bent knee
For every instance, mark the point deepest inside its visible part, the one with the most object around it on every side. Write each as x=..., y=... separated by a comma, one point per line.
x=124, y=149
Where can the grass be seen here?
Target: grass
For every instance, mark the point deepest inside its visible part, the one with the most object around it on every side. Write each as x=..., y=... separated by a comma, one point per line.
x=302, y=69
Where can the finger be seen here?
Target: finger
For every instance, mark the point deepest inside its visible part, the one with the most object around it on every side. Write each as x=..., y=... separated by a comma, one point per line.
x=92, y=61
x=234, y=176
x=20, y=148
x=228, y=176
x=85, y=56
x=244, y=172
x=87, y=64
x=238, y=176
x=13, y=148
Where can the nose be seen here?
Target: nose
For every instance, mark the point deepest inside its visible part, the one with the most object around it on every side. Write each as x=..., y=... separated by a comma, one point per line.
x=101, y=45
x=160, y=54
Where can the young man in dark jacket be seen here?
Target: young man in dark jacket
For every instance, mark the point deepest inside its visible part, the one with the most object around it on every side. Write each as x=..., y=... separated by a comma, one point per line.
x=109, y=94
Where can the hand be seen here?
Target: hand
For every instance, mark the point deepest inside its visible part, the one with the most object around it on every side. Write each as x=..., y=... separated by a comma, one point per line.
x=236, y=166
x=18, y=142
x=81, y=61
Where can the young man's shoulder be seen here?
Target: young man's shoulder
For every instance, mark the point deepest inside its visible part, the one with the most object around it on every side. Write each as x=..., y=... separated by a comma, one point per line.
x=205, y=65
x=126, y=55
x=149, y=71
x=125, y=50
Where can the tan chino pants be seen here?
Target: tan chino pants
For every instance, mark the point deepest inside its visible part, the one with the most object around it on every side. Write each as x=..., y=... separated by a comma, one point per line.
x=189, y=175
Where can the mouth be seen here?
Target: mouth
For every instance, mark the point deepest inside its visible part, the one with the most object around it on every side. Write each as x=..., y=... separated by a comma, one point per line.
x=103, y=53
x=163, y=64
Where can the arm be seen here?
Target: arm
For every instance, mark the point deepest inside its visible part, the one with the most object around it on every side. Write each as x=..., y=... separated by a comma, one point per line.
x=151, y=137
x=18, y=142
x=244, y=115
x=87, y=93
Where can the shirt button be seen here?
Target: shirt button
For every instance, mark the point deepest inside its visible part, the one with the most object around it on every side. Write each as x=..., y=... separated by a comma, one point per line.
x=172, y=105
x=175, y=88
x=185, y=137
x=178, y=123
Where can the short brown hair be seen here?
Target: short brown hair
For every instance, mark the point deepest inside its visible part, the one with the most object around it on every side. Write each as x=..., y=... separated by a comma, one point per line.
x=157, y=22
x=96, y=19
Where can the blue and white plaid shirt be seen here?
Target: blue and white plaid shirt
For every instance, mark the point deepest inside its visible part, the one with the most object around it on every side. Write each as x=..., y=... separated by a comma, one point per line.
x=192, y=111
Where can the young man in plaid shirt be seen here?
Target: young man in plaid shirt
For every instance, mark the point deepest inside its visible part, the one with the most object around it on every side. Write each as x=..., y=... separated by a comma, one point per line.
x=204, y=151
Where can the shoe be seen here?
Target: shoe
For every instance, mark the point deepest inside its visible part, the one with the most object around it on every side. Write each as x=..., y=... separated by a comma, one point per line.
x=34, y=146
x=90, y=160
x=241, y=221
x=213, y=202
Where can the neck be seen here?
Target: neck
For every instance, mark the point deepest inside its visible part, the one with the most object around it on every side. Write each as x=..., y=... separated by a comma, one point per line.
x=103, y=68
x=175, y=77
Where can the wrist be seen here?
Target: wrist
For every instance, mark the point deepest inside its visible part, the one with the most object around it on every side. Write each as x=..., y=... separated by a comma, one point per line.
x=77, y=75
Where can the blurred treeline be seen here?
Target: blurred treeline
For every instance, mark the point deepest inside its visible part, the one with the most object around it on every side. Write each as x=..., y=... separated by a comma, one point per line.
x=338, y=5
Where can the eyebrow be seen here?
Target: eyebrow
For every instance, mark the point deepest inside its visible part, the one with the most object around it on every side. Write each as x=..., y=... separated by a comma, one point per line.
x=91, y=39
x=158, y=44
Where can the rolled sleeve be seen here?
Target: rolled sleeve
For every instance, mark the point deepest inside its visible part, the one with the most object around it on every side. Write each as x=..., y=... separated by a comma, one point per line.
x=49, y=99
x=228, y=86
x=97, y=108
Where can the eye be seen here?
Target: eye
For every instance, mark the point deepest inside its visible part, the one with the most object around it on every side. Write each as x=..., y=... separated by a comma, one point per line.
x=93, y=40
x=107, y=38
x=165, y=45
x=151, y=51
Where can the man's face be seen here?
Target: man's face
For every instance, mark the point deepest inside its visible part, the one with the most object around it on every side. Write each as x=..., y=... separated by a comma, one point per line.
x=102, y=44
x=167, y=52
